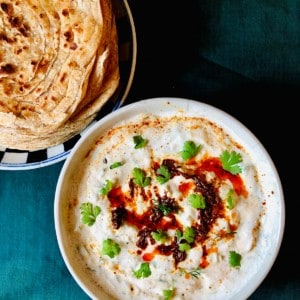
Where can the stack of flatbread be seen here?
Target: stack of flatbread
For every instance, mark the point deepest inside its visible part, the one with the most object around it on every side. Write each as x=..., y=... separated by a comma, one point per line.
x=58, y=67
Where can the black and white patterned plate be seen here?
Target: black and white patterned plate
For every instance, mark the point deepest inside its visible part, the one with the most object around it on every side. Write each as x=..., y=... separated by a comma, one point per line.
x=12, y=159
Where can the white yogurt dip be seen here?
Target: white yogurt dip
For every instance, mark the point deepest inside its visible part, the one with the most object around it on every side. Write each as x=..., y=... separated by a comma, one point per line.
x=178, y=217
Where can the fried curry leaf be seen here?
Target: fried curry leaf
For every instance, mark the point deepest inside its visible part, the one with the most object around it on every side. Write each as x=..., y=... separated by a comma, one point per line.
x=143, y=271
x=89, y=213
x=164, y=174
x=110, y=248
x=139, y=142
x=165, y=209
x=140, y=178
x=189, y=150
x=230, y=162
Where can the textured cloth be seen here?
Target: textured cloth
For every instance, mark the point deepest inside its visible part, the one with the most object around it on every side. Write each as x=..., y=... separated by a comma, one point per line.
x=241, y=56
x=31, y=264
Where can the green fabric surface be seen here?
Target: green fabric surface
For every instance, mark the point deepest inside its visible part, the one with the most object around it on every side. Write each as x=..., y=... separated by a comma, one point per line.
x=256, y=39
x=31, y=264
x=240, y=56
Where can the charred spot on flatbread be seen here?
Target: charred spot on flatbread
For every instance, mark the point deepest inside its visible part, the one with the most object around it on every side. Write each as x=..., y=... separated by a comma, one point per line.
x=58, y=67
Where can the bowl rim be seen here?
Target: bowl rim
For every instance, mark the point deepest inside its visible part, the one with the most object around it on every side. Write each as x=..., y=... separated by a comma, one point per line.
x=124, y=111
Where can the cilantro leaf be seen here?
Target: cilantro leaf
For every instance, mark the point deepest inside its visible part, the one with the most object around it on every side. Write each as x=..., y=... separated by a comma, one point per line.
x=159, y=235
x=110, y=248
x=168, y=294
x=139, y=142
x=197, y=201
x=143, y=272
x=106, y=189
x=185, y=239
x=184, y=247
x=178, y=235
x=234, y=259
x=230, y=199
x=230, y=162
x=139, y=177
x=189, y=234
x=116, y=165
x=89, y=213
x=164, y=174
x=190, y=150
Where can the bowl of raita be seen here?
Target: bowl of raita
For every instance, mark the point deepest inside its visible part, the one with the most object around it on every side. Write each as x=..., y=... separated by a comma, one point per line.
x=169, y=198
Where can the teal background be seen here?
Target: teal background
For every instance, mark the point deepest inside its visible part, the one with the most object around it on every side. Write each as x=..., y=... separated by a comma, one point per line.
x=240, y=56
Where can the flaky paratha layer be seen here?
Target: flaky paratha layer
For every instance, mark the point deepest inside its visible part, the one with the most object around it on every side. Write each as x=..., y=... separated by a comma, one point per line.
x=58, y=67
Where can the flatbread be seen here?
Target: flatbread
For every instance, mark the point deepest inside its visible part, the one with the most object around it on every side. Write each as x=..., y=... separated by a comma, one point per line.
x=58, y=67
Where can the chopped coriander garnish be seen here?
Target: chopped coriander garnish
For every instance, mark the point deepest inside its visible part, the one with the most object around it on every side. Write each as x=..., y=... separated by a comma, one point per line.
x=230, y=199
x=197, y=201
x=235, y=259
x=106, y=189
x=89, y=213
x=139, y=177
x=178, y=235
x=139, y=142
x=184, y=247
x=168, y=294
x=116, y=165
x=230, y=162
x=189, y=234
x=159, y=235
x=110, y=248
x=190, y=150
x=143, y=272
x=164, y=174
x=185, y=239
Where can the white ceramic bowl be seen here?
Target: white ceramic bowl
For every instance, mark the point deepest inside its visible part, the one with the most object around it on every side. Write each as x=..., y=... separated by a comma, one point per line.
x=273, y=225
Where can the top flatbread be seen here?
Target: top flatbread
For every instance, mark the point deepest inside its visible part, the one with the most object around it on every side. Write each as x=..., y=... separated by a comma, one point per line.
x=58, y=67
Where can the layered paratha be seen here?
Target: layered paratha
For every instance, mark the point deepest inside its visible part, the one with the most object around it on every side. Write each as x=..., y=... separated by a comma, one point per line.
x=58, y=67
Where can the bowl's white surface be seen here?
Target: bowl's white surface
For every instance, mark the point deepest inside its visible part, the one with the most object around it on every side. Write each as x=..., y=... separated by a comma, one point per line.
x=272, y=229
